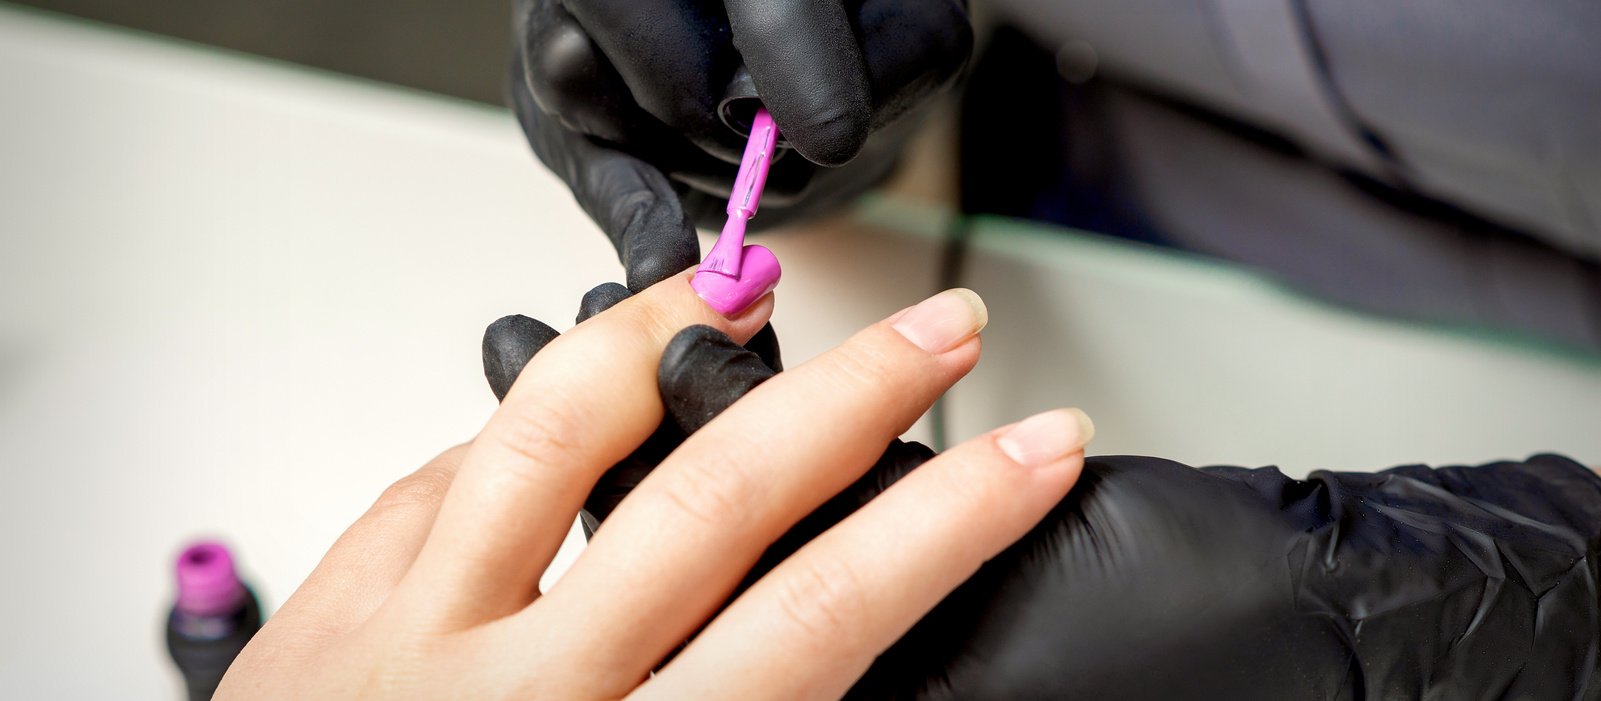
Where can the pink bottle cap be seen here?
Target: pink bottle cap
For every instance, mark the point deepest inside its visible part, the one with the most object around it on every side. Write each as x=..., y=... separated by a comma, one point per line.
x=207, y=582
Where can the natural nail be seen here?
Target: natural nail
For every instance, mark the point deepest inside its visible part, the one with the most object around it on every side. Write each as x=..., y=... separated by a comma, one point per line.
x=939, y=323
x=1045, y=438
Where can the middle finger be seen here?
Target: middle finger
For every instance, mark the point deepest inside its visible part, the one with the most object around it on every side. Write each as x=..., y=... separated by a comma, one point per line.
x=585, y=402
x=676, y=547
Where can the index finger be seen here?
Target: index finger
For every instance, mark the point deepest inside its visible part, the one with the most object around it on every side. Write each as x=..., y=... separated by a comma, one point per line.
x=586, y=401
x=807, y=64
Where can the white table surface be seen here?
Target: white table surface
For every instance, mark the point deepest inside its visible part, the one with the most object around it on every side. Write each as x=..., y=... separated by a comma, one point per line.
x=239, y=298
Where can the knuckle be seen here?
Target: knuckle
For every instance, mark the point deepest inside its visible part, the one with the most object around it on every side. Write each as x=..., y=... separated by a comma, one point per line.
x=859, y=366
x=650, y=319
x=768, y=25
x=560, y=59
x=717, y=492
x=775, y=22
x=661, y=260
x=424, y=488
x=821, y=598
x=965, y=486
x=539, y=435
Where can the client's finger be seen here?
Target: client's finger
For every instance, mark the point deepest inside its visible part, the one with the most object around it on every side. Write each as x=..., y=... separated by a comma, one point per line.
x=679, y=544
x=512, y=341
x=811, y=627
x=703, y=372
x=586, y=401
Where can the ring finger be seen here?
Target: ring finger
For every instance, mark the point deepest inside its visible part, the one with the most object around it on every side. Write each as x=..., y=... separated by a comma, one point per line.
x=581, y=405
x=678, y=545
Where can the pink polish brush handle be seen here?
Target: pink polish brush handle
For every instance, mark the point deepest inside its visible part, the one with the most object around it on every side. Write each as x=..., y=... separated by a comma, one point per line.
x=727, y=254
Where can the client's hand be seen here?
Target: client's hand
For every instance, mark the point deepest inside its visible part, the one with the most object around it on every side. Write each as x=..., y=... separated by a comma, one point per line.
x=433, y=593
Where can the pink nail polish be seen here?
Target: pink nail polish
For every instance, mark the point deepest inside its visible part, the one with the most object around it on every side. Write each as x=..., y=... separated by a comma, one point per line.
x=758, y=275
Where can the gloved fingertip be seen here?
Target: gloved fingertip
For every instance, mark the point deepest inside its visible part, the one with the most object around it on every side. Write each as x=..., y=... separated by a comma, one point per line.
x=688, y=350
x=664, y=259
x=703, y=372
x=806, y=61
x=604, y=296
x=509, y=344
x=835, y=140
x=765, y=345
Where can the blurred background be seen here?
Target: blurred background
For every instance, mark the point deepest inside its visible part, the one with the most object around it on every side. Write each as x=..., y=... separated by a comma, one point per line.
x=451, y=48
x=249, y=250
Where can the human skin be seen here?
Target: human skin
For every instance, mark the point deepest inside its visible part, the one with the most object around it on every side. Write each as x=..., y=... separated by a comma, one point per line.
x=433, y=593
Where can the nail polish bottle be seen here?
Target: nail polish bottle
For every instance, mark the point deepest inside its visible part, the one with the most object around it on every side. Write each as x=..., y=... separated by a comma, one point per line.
x=214, y=616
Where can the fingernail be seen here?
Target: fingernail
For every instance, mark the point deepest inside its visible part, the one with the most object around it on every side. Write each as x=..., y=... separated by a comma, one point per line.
x=731, y=296
x=1045, y=438
x=940, y=322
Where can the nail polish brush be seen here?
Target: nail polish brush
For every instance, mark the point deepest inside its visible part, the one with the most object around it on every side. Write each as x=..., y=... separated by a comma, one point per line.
x=735, y=275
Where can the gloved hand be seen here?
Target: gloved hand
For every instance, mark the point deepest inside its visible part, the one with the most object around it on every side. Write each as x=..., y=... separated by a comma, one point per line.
x=621, y=99
x=1154, y=580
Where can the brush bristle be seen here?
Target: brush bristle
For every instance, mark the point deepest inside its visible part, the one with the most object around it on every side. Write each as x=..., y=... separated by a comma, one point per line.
x=714, y=263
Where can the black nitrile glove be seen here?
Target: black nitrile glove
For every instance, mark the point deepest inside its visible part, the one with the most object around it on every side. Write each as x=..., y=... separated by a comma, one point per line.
x=623, y=100
x=1154, y=580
